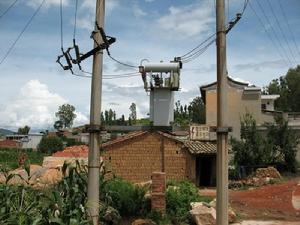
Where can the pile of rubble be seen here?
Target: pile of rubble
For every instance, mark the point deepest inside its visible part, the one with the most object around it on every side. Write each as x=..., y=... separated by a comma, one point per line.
x=205, y=213
x=262, y=176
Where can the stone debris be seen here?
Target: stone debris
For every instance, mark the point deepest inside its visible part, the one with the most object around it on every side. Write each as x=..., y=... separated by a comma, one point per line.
x=232, y=217
x=261, y=177
x=203, y=214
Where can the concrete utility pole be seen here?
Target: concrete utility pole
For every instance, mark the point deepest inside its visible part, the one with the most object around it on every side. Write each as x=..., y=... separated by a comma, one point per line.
x=95, y=122
x=222, y=130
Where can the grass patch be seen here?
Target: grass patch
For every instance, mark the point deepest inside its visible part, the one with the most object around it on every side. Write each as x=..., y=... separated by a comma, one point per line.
x=9, y=157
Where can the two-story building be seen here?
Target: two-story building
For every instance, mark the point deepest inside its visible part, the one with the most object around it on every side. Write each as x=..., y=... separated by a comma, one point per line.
x=242, y=98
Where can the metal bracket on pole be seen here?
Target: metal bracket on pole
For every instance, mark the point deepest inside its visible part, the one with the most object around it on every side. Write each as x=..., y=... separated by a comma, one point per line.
x=222, y=130
x=95, y=128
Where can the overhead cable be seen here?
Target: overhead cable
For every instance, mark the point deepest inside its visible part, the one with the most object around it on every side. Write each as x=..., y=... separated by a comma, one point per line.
x=75, y=18
x=268, y=34
x=281, y=30
x=61, y=26
x=289, y=27
x=22, y=32
x=9, y=8
x=274, y=32
x=121, y=63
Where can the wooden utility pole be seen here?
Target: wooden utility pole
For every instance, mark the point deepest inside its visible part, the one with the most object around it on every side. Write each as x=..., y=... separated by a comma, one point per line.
x=95, y=122
x=222, y=129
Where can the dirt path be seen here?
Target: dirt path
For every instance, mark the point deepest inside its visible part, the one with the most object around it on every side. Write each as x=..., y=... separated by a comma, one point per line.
x=271, y=202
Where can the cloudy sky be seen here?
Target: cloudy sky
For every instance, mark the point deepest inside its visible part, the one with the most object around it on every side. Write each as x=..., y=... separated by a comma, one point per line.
x=261, y=47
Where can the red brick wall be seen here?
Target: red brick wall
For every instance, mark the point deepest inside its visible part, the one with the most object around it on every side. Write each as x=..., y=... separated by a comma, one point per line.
x=136, y=159
x=9, y=144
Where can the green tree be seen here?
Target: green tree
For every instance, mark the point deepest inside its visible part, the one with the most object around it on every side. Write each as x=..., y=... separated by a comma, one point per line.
x=58, y=125
x=133, y=115
x=252, y=149
x=284, y=141
x=24, y=130
x=50, y=144
x=288, y=87
x=66, y=114
x=193, y=113
x=196, y=110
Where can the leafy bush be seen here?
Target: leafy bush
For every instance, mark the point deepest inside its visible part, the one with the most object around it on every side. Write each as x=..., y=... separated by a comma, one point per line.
x=279, y=147
x=50, y=144
x=179, y=196
x=127, y=198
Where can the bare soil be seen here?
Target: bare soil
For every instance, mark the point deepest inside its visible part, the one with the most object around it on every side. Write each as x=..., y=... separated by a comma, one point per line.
x=271, y=202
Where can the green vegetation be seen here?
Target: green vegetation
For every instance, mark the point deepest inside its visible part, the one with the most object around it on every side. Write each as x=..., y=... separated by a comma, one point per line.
x=192, y=113
x=288, y=87
x=50, y=144
x=24, y=130
x=179, y=196
x=66, y=115
x=9, y=158
x=65, y=203
x=278, y=147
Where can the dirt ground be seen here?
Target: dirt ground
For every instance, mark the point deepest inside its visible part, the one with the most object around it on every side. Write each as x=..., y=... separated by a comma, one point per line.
x=271, y=202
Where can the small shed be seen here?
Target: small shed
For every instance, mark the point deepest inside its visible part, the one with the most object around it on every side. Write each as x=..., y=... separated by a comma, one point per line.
x=136, y=155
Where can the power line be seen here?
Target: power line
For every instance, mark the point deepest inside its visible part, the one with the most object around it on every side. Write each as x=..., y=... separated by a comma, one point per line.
x=199, y=45
x=9, y=7
x=107, y=77
x=274, y=32
x=61, y=26
x=121, y=63
x=268, y=34
x=289, y=28
x=23, y=30
x=197, y=51
x=75, y=19
x=281, y=30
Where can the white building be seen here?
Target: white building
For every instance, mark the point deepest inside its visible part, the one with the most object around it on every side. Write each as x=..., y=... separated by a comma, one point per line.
x=27, y=140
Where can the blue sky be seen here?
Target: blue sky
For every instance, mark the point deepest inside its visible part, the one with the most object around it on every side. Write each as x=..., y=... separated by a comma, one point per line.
x=33, y=85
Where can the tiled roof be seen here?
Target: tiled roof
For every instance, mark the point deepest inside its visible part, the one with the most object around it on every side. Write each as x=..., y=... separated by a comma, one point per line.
x=200, y=147
x=124, y=138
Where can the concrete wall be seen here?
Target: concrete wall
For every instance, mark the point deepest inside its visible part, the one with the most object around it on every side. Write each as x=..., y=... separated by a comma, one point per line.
x=33, y=141
x=239, y=102
x=136, y=159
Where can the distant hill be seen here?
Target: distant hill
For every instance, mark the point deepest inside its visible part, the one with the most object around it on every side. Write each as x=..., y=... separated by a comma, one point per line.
x=4, y=132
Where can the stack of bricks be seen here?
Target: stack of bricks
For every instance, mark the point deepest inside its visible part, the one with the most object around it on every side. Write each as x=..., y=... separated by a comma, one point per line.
x=158, y=196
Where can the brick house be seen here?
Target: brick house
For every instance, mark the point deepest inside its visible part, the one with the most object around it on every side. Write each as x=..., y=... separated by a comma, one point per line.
x=136, y=155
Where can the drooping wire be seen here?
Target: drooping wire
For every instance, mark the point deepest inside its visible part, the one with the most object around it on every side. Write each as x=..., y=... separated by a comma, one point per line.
x=200, y=49
x=75, y=19
x=61, y=26
x=22, y=32
x=9, y=8
x=288, y=25
x=268, y=34
x=109, y=76
x=203, y=42
x=275, y=34
x=122, y=74
x=121, y=63
x=199, y=52
x=281, y=30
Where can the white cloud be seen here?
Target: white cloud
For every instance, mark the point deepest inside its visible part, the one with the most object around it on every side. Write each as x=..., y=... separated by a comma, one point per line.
x=137, y=11
x=109, y=5
x=34, y=106
x=190, y=20
x=80, y=119
x=48, y=3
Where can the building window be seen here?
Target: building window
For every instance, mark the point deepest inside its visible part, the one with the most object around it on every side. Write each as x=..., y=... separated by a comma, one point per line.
x=263, y=106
